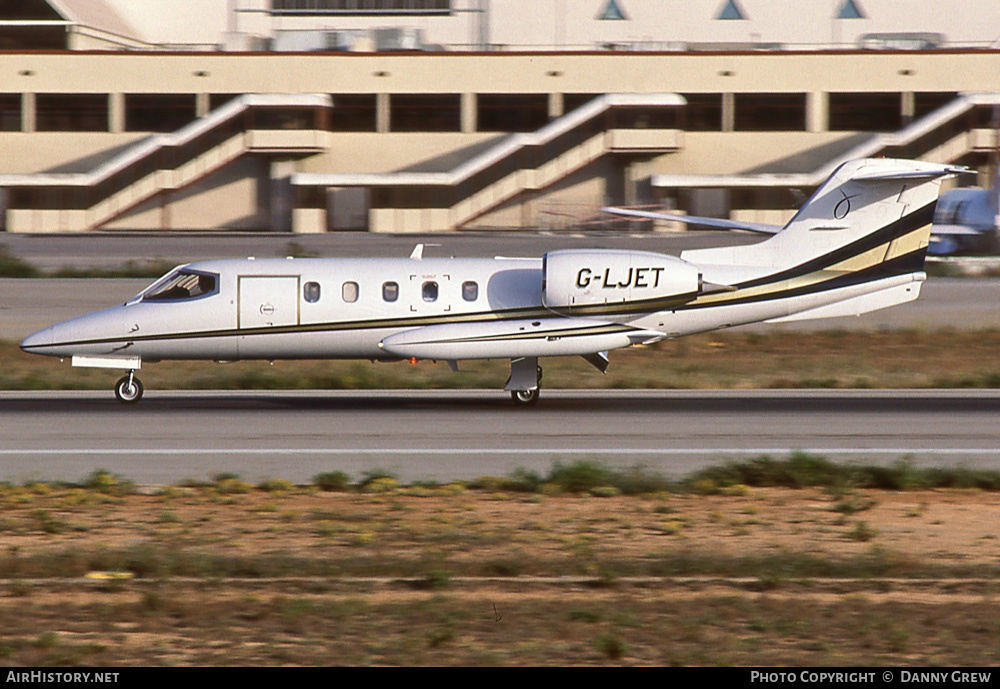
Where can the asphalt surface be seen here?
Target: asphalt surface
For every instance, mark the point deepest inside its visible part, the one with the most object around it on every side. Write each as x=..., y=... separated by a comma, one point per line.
x=442, y=436
x=172, y=436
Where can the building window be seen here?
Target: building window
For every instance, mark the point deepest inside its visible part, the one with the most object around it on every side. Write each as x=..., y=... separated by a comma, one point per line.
x=310, y=292
x=158, y=112
x=10, y=112
x=703, y=112
x=430, y=291
x=72, y=112
x=360, y=7
x=850, y=10
x=865, y=112
x=390, y=291
x=432, y=112
x=470, y=290
x=217, y=100
x=770, y=112
x=512, y=112
x=731, y=10
x=926, y=103
x=350, y=292
x=612, y=11
x=353, y=112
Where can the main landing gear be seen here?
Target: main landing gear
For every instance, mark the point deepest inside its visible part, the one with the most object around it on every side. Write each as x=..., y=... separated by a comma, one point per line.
x=525, y=375
x=524, y=398
x=128, y=389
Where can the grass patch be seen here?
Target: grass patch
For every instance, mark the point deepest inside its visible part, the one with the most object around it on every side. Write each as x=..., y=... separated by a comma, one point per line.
x=13, y=267
x=292, y=576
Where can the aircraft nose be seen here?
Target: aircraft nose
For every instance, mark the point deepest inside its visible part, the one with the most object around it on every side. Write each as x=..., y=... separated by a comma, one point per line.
x=36, y=341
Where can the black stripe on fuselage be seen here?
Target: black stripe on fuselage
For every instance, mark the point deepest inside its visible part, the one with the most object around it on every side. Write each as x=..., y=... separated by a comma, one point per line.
x=901, y=265
x=900, y=228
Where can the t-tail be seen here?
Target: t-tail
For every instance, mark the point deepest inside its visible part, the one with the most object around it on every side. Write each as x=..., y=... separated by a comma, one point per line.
x=868, y=211
x=864, y=232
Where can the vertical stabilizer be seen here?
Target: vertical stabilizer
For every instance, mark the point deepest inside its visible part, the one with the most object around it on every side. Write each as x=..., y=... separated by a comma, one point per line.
x=869, y=211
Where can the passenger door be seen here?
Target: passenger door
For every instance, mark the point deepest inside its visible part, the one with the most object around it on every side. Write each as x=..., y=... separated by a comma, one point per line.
x=268, y=301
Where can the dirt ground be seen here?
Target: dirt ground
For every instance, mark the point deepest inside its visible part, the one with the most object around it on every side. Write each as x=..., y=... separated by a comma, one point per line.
x=450, y=576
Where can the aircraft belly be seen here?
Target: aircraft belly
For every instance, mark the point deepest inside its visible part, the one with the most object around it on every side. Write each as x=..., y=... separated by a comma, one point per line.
x=220, y=347
x=312, y=345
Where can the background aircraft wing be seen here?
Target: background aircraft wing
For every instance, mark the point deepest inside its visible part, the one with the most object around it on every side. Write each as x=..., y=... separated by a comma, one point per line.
x=696, y=220
x=957, y=230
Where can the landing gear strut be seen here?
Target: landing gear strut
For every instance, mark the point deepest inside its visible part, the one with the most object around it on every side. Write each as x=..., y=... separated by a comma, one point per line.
x=128, y=389
x=525, y=375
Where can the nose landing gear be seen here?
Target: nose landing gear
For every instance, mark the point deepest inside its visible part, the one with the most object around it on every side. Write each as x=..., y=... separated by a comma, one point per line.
x=128, y=389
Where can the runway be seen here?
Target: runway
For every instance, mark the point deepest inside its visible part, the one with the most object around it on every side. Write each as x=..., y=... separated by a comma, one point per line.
x=450, y=435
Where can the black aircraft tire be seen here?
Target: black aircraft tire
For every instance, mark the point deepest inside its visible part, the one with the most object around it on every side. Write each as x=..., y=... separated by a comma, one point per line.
x=127, y=394
x=524, y=398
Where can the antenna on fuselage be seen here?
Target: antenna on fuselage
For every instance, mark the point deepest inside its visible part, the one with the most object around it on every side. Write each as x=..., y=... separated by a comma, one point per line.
x=418, y=251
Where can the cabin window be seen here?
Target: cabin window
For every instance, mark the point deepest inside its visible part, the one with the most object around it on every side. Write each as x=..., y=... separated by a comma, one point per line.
x=430, y=291
x=182, y=284
x=310, y=292
x=350, y=292
x=470, y=290
x=390, y=291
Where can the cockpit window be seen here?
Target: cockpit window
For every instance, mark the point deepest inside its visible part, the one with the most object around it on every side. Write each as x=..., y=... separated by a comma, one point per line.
x=183, y=284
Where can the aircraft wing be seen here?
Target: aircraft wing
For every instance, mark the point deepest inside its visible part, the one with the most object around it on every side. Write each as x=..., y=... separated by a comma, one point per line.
x=762, y=228
x=515, y=338
x=957, y=230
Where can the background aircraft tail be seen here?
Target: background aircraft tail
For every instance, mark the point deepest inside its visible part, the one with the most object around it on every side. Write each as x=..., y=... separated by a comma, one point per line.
x=869, y=212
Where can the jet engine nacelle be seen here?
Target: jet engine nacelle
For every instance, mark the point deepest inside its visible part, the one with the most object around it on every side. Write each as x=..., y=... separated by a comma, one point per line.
x=573, y=280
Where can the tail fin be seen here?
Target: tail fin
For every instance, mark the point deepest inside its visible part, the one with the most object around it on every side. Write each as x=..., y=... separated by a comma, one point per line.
x=868, y=212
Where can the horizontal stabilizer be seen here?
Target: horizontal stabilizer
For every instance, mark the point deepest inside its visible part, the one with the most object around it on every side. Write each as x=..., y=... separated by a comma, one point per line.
x=696, y=220
x=954, y=231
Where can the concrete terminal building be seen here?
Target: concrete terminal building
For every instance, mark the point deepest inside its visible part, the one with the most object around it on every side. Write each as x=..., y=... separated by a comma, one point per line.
x=430, y=115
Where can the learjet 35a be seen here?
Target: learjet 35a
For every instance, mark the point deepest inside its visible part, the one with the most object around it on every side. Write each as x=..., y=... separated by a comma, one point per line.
x=858, y=244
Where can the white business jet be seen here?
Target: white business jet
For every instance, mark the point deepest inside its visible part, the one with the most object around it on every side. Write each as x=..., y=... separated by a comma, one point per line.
x=857, y=245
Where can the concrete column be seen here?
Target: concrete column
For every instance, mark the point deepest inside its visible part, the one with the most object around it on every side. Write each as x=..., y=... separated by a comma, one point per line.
x=817, y=111
x=280, y=198
x=529, y=203
x=165, y=199
x=556, y=106
x=728, y=112
x=469, y=119
x=202, y=104
x=116, y=113
x=382, y=114
x=907, y=106
x=29, y=120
